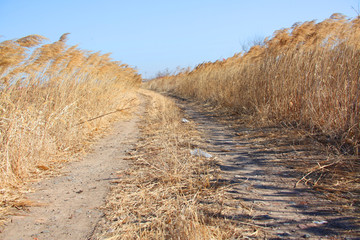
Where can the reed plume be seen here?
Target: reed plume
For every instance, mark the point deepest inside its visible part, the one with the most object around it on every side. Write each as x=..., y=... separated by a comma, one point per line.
x=305, y=76
x=46, y=90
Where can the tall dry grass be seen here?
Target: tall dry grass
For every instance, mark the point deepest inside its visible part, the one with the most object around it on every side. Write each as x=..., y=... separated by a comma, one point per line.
x=51, y=97
x=305, y=76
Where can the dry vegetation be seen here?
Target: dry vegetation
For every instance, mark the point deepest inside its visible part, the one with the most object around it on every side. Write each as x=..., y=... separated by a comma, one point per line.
x=166, y=193
x=53, y=98
x=306, y=76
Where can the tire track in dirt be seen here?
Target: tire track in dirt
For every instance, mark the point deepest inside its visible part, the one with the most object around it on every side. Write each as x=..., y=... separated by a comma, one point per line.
x=267, y=188
x=68, y=205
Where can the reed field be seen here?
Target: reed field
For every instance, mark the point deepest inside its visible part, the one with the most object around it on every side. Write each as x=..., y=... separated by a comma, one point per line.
x=53, y=99
x=306, y=76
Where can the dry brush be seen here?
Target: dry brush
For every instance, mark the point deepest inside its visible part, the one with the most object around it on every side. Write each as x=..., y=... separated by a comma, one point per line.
x=53, y=97
x=305, y=76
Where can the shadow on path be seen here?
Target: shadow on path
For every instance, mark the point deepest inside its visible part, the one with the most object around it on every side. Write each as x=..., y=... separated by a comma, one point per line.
x=266, y=185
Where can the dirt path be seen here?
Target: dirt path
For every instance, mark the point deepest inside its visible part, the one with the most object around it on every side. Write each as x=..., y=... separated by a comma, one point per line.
x=267, y=187
x=261, y=186
x=69, y=203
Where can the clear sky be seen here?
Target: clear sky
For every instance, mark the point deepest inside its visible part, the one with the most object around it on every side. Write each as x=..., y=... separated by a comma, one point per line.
x=157, y=34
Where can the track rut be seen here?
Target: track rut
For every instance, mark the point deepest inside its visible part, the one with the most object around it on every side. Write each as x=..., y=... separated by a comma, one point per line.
x=266, y=187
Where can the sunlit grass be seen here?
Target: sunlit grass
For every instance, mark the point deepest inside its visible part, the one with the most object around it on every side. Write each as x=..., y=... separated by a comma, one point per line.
x=306, y=76
x=50, y=95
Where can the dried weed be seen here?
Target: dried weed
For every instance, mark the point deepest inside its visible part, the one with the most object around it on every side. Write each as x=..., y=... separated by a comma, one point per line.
x=167, y=193
x=54, y=99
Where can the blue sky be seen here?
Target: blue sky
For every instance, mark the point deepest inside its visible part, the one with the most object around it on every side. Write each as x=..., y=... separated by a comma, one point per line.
x=158, y=34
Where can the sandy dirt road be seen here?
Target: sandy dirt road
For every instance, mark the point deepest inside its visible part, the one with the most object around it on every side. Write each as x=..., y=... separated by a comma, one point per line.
x=69, y=204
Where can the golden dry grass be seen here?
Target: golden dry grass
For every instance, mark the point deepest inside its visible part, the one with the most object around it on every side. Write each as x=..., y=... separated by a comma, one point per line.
x=53, y=99
x=306, y=76
x=166, y=193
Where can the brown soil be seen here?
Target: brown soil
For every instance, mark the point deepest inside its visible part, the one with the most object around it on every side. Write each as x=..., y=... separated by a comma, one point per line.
x=67, y=206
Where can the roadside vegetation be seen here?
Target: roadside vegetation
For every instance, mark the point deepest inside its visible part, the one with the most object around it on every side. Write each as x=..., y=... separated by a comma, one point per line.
x=53, y=99
x=305, y=80
x=306, y=76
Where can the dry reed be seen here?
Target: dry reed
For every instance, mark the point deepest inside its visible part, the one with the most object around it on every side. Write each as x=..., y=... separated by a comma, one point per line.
x=305, y=76
x=48, y=95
